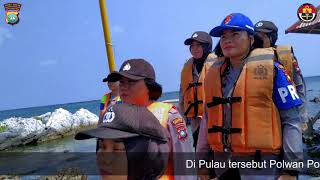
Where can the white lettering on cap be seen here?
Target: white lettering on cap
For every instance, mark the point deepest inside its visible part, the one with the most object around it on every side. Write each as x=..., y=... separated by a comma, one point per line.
x=127, y=67
x=259, y=24
x=109, y=116
x=195, y=35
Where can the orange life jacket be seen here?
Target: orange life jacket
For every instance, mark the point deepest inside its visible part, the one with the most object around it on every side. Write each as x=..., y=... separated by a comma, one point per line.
x=255, y=118
x=161, y=111
x=193, y=91
x=286, y=58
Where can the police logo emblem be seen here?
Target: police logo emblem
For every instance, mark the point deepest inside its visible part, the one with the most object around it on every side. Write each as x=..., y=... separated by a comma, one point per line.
x=127, y=67
x=109, y=116
x=180, y=128
x=260, y=72
x=12, y=13
x=182, y=134
x=307, y=12
x=259, y=24
x=227, y=19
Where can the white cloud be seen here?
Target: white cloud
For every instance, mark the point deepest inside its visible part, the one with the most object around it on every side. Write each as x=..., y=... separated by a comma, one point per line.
x=48, y=62
x=5, y=34
x=117, y=29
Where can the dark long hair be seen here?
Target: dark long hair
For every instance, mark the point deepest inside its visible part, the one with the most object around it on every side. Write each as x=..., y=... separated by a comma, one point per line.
x=155, y=89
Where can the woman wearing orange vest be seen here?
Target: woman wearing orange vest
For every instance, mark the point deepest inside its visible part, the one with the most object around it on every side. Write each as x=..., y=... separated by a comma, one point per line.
x=138, y=87
x=192, y=76
x=251, y=107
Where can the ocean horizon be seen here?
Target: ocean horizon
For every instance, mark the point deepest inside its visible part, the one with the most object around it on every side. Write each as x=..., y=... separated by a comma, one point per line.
x=312, y=83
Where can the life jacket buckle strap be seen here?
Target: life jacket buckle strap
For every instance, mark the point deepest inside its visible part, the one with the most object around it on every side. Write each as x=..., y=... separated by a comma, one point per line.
x=223, y=100
x=194, y=84
x=224, y=130
x=192, y=104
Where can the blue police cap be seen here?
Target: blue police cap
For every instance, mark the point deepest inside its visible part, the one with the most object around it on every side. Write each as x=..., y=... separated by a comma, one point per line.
x=234, y=21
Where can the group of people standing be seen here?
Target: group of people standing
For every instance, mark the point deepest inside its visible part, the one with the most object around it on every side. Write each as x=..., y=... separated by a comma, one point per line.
x=244, y=100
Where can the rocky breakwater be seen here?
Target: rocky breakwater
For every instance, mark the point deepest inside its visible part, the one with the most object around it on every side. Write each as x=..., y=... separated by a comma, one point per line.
x=17, y=131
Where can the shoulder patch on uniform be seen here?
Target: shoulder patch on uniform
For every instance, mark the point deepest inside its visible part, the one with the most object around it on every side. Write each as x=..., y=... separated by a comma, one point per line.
x=180, y=128
x=177, y=121
x=285, y=94
x=174, y=110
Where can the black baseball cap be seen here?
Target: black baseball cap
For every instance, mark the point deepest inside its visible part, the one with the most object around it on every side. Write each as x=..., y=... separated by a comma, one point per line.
x=135, y=69
x=109, y=78
x=200, y=36
x=266, y=27
x=144, y=138
x=126, y=121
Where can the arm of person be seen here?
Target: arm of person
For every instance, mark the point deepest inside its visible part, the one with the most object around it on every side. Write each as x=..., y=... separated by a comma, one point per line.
x=181, y=146
x=102, y=108
x=287, y=101
x=300, y=87
x=181, y=103
x=203, y=149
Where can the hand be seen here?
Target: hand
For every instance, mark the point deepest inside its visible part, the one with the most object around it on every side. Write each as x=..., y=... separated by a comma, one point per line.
x=287, y=177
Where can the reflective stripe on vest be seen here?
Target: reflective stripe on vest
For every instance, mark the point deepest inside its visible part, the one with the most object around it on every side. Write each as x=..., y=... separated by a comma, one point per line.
x=161, y=111
x=255, y=118
x=285, y=57
x=193, y=91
